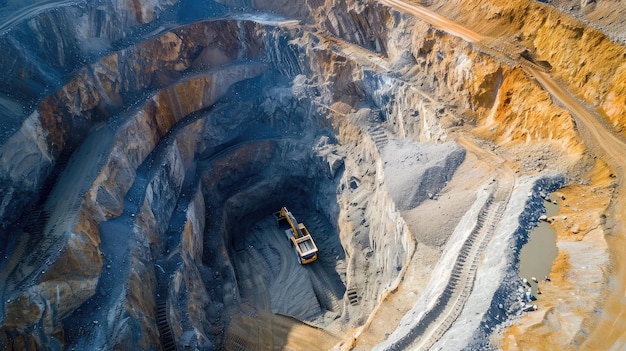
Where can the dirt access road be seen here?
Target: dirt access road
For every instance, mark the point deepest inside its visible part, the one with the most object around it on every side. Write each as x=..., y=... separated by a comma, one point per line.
x=435, y=20
x=603, y=142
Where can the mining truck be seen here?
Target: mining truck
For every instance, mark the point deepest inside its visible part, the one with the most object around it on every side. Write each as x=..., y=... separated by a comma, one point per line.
x=298, y=235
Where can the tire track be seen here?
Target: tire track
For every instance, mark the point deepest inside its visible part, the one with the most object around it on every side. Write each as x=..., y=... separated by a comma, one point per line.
x=435, y=322
x=327, y=284
x=328, y=298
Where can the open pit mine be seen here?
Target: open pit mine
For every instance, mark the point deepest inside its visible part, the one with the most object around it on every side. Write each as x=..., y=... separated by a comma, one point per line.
x=312, y=175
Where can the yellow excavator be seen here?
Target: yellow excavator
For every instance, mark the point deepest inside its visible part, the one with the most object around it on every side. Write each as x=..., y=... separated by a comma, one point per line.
x=298, y=235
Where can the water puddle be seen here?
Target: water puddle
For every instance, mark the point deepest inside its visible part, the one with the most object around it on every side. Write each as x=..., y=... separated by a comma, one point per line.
x=537, y=256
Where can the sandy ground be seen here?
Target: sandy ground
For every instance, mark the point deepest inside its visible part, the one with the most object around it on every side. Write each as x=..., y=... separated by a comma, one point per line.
x=271, y=279
x=266, y=331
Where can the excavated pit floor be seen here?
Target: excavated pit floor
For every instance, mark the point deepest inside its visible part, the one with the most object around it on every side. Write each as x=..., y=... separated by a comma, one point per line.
x=269, y=275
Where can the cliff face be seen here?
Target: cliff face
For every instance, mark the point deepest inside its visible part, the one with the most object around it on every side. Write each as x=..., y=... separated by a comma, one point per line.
x=584, y=58
x=138, y=210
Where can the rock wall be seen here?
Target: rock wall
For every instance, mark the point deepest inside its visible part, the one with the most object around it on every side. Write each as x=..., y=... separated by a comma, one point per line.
x=566, y=43
x=44, y=44
x=604, y=15
x=100, y=90
x=117, y=167
x=428, y=66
